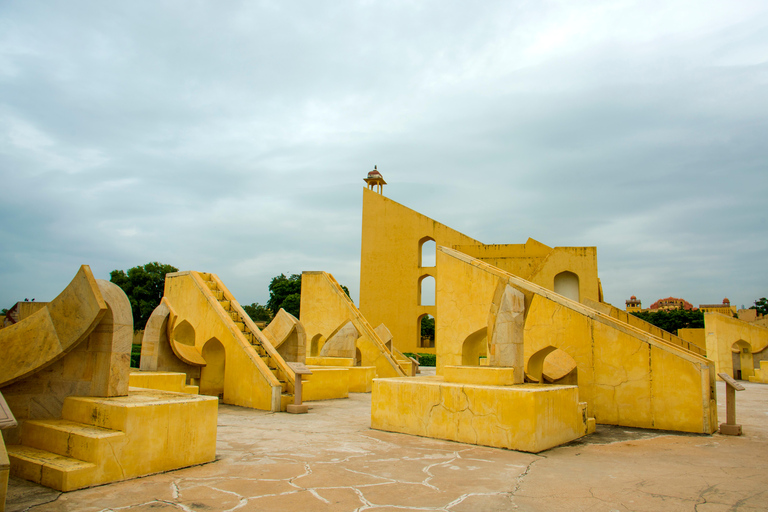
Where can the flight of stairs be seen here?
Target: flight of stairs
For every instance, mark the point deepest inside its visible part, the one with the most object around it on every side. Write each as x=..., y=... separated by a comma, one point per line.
x=101, y=440
x=286, y=396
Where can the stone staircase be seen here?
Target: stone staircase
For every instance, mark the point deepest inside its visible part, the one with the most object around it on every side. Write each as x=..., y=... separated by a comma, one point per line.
x=101, y=440
x=269, y=355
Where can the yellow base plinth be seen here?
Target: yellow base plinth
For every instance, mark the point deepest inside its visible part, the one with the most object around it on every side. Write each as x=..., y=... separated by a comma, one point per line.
x=482, y=375
x=361, y=379
x=162, y=381
x=326, y=382
x=330, y=361
x=103, y=440
x=526, y=417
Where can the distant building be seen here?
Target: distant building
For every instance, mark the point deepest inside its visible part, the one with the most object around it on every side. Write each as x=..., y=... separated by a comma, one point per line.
x=634, y=305
x=725, y=308
x=670, y=304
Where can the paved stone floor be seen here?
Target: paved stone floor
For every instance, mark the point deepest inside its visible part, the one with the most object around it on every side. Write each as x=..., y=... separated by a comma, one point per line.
x=330, y=460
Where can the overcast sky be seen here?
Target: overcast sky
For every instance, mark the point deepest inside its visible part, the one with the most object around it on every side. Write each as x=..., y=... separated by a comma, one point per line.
x=233, y=137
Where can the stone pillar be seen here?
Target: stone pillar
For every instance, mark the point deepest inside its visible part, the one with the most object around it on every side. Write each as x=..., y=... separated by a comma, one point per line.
x=505, y=331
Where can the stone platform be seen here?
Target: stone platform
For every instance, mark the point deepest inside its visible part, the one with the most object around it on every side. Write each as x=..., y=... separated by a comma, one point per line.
x=331, y=461
x=525, y=417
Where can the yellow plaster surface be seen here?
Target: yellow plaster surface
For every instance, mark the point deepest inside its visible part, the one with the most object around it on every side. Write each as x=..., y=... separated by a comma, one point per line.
x=325, y=307
x=330, y=361
x=696, y=337
x=326, y=382
x=48, y=334
x=234, y=369
x=390, y=269
x=625, y=375
x=529, y=417
x=162, y=381
x=481, y=375
x=722, y=332
x=761, y=374
x=102, y=440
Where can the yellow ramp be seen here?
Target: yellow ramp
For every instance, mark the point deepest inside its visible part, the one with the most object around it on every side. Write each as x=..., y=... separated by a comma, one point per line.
x=626, y=375
x=241, y=365
x=325, y=307
x=51, y=332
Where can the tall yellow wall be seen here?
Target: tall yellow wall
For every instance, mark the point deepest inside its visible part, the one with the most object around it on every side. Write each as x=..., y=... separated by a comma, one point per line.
x=389, y=266
x=723, y=331
x=390, y=271
x=627, y=376
x=325, y=306
x=246, y=379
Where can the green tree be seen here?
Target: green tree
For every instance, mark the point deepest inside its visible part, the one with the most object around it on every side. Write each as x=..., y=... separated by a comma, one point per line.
x=761, y=305
x=673, y=320
x=280, y=289
x=144, y=287
x=428, y=327
x=258, y=313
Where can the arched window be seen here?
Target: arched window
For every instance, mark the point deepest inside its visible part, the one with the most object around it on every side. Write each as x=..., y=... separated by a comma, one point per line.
x=552, y=365
x=426, y=290
x=426, y=331
x=427, y=252
x=567, y=285
x=475, y=346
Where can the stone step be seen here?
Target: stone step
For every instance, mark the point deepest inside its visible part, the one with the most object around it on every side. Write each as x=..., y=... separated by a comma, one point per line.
x=218, y=294
x=48, y=468
x=69, y=438
x=235, y=317
x=226, y=304
x=240, y=325
x=212, y=285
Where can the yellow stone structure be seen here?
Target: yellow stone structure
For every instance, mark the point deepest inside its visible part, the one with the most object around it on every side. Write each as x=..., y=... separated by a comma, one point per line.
x=398, y=255
x=199, y=339
x=336, y=329
x=65, y=377
x=621, y=375
x=199, y=329
x=736, y=348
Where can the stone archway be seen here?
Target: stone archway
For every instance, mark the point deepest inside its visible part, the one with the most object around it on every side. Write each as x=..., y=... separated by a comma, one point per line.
x=212, y=374
x=474, y=347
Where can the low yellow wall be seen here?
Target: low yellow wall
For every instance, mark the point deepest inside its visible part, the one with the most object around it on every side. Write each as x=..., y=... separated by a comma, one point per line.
x=361, y=379
x=326, y=382
x=529, y=417
x=481, y=375
x=330, y=361
x=722, y=332
x=161, y=381
x=695, y=336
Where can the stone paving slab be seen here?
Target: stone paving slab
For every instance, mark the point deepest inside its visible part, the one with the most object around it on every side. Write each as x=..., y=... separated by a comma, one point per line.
x=330, y=460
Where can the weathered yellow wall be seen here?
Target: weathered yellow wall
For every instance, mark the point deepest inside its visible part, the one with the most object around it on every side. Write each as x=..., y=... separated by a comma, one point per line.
x=528, y=417
x=246, y=379
x=695, y=336
x=325, y=383
x=723, y=331
x=46, y=335
x=390, y=271
x=96, y=366
x=626, y=376
x=389, y=266
x=325, y=307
